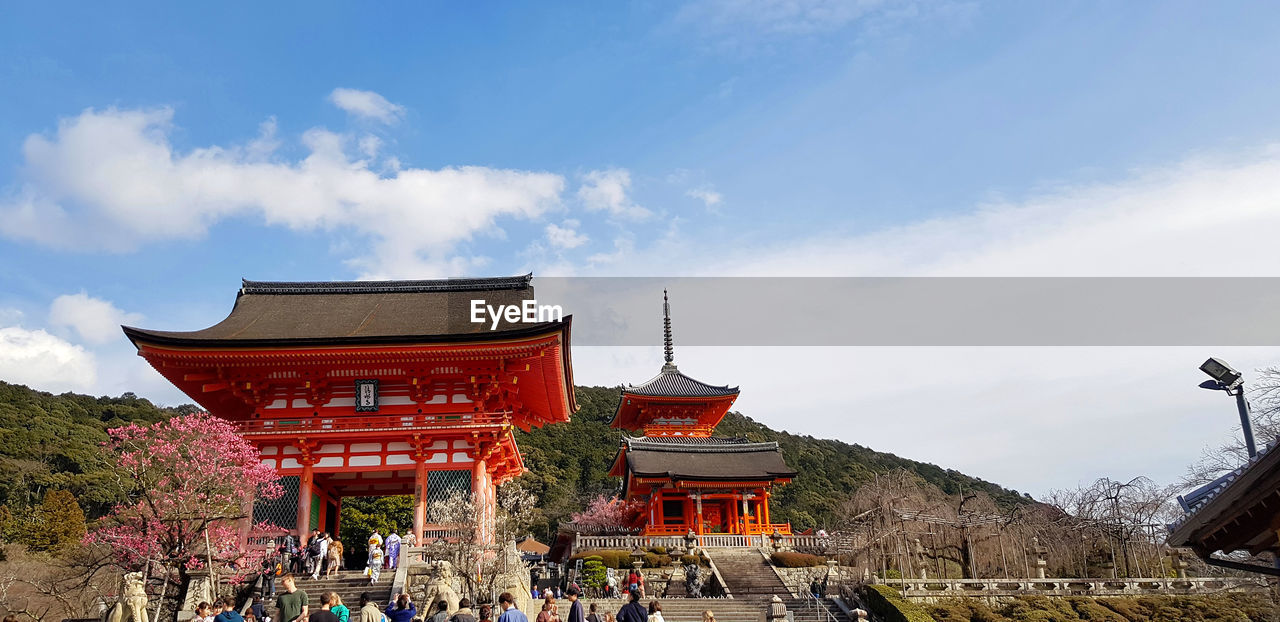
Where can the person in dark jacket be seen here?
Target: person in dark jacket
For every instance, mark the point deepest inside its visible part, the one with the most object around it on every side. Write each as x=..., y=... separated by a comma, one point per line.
x=575, y=608
x=401, y=610
x=463, y=614
x=633, y=611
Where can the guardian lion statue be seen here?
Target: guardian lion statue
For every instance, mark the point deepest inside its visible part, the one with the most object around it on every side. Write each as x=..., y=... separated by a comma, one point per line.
x=440, y=587
x=132, y=604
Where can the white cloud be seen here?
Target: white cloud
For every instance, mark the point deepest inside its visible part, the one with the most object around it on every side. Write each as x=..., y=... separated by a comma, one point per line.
x=606, y=190
x=112, y=180
x=1202, y=217
x=1025, y=417
x=97, y=321
x=565, y=237
x=42, y=361
x=367, y=105
x=709, y=197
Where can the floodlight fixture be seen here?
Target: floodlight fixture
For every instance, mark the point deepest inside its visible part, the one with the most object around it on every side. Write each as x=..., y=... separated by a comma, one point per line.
x=1219, y=370
x=1226, y=378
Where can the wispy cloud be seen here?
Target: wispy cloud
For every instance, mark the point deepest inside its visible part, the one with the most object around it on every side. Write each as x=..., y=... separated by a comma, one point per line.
x=111, y=179
x=710, y=198
x=97, y=321
x=367, y=105
x=565, y=235
x=607, y=190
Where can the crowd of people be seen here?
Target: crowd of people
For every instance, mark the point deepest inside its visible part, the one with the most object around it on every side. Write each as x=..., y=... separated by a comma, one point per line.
x=322, y=555
x=632, y=611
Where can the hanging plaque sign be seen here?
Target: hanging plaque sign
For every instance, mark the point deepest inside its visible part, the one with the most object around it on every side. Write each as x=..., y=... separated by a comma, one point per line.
x=367, y=396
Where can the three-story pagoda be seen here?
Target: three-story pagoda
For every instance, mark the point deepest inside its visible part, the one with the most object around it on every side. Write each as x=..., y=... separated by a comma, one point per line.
x=688, y=479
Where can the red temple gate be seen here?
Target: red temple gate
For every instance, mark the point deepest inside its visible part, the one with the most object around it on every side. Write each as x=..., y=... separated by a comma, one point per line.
x=375, y=388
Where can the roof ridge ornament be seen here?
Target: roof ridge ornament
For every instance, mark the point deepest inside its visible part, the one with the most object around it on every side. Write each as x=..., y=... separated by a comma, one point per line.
x=667, y=346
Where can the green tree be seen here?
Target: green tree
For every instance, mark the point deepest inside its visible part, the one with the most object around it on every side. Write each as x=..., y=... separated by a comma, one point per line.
x=60, y=522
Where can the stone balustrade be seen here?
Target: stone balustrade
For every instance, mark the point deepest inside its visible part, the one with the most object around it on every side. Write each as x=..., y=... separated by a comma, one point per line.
x=928, y=590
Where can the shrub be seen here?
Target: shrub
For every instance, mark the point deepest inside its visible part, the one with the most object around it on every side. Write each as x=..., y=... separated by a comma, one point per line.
x=890, y=606
x=660, y=550
x=611, y=558
x=594, y=574
x=788, y=559
x=686, y=559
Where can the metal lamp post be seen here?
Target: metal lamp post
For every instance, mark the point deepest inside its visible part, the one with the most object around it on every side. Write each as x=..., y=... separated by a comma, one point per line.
x=1227, y=379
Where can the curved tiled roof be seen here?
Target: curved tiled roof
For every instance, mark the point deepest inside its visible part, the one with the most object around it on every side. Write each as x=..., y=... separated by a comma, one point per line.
x=338, y=312
x=715, y=460
x=687, y=440
x=1197, y=499
x=671, y=383
x=386, y=287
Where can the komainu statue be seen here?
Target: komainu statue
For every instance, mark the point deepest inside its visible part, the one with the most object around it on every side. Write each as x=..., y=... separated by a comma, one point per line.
x=440, y=587
x=132, y=604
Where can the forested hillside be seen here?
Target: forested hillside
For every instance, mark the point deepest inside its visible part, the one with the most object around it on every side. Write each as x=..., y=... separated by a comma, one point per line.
x=568, y=465
x=52, y=442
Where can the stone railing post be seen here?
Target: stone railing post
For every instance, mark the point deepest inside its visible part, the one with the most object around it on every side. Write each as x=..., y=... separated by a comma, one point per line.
x=777, y=610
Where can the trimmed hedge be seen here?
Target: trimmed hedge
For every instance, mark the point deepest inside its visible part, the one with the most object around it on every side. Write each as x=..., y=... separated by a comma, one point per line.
x=787, y=559
x=1202, y=608
x=890, y=606
x=621, y=559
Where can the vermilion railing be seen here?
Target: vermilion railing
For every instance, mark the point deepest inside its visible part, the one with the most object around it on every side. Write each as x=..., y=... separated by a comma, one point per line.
x=372, y=422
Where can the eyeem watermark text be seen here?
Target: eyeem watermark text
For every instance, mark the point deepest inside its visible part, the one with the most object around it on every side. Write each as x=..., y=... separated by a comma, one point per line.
x=528, y=311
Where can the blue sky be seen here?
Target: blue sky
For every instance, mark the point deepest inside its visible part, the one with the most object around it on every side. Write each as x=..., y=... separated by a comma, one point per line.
x=151, y=156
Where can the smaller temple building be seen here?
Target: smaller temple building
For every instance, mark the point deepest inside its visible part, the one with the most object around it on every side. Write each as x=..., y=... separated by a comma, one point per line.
x=687, y=479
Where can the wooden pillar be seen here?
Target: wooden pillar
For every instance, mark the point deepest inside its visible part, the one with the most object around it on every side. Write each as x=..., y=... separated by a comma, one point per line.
x=420, y=501
x=698, y=517
x=304, y=502
x=481, y=498
x=337, y=521
x=764, y=506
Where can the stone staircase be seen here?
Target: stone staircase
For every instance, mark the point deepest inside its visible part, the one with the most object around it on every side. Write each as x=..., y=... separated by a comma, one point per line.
x=348, y=584
x=750, y=609
x=747, y=573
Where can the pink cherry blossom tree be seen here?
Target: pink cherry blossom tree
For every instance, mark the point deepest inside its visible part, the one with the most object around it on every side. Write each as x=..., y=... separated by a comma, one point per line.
x=186, y=484
x=608, y=514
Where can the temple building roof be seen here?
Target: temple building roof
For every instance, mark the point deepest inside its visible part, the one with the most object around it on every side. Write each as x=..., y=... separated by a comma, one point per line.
x=702, y=459
x=337, y=312
x=672, y=402
x=671, y=383
x=1233, y=512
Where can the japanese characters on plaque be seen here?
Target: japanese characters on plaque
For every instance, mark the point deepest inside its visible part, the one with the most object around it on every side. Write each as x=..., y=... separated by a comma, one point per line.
x=367, y=396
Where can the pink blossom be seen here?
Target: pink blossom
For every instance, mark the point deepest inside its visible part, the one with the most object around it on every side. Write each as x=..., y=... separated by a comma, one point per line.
x=183, y=478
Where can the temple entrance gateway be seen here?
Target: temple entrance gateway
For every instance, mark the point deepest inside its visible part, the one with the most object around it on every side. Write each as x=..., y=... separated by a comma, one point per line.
x=374, y=388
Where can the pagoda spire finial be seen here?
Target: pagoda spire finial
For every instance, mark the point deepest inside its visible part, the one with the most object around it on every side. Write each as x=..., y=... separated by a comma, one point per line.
x=668, y=352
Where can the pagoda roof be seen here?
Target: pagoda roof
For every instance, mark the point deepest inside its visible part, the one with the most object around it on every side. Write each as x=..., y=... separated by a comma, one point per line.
x=268, y=313
x=671, y=383
x=702, y=459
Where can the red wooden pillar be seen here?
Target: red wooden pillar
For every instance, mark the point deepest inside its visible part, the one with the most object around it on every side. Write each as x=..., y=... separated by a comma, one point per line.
x=304, y=502
x=481, y=498
x=420, y=501
x=697, y=524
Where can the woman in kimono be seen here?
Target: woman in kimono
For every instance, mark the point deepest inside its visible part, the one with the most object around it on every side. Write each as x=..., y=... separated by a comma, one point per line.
x=393, y=549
